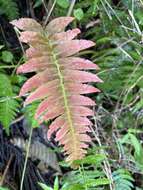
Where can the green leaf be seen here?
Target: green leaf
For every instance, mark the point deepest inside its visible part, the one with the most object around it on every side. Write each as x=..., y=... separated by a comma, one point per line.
x=92, y=159
x=3, y=188
x=78, y=13
x=1, y=46
x=7, y=56
x=63, y=3
x=135, y=143
x=44, y=187
x=125, y=139
x=97, y=182
x=37, y=3
x=56, y=184
x=75, y=186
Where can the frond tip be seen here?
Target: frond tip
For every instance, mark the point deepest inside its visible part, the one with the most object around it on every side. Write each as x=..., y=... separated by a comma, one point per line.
x=59, y=82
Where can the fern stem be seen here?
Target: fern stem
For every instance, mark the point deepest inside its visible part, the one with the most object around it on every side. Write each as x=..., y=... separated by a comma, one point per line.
x=7, y=66
x=8, y=98
x=26, y=158
x=17, y=34
x=16, y=66
x=64, y=93
x=81, y=169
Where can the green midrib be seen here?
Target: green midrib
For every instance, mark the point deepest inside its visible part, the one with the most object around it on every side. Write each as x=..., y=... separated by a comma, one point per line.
x=68, y=112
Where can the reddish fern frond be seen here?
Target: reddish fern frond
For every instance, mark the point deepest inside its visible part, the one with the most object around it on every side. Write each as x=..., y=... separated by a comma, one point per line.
x=59, y=82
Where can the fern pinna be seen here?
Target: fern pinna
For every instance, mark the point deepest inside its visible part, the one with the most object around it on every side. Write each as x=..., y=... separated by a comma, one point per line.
x=60, y=81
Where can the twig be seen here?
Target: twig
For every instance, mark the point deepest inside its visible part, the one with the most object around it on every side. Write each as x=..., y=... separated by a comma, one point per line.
x=71, y=7
x=6, y=170
x=117, y=17
x=45, y=7
x=31, y=9
x=3, y=35
x=17, y=120
x=107, y=168
x=17, y=34
x=110, y=17
x=6, y=98
x=135, y=23
x=49, y=14
x=81, y=170
x=141, y=2
x=26, y=158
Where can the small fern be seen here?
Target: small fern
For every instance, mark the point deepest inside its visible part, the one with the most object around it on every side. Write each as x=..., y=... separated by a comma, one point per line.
x=9, y=8
x=122, y=180
x=8, y=105
x=89, y=175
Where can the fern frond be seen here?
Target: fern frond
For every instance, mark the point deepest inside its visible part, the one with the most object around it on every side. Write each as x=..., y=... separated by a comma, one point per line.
x=59, y=81
x=8, y=105
x=9, y=8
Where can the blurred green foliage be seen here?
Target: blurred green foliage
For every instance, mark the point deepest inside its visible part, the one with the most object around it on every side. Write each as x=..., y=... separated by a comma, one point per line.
x=9, y=8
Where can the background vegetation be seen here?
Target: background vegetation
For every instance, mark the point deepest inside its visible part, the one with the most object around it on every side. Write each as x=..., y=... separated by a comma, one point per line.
x=114, y=159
